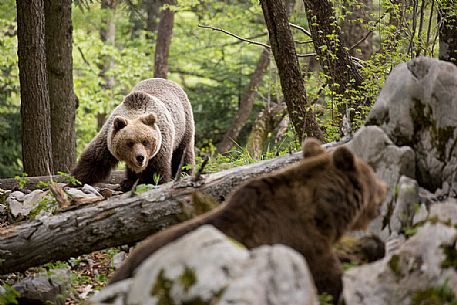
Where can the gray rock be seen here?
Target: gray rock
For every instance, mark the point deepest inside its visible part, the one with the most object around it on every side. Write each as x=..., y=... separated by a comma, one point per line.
x=88, y=189
x=418, y=107
x=20, y=204
x=118, y=259
x=406, y=202
x=445, y=211
x=389, y=162
x=272, y=275
x=114, y=294
x=206, y=267
x=418, y=266
x=44, y=288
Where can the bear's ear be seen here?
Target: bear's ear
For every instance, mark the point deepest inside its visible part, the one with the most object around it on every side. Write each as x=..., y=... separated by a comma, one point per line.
x=119, y=123
x=343, y=159
x=312, y=147
x=149, y=119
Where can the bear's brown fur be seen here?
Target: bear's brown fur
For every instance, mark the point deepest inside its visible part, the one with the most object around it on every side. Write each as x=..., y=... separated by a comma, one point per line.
x=307, y=207
x=152, y=131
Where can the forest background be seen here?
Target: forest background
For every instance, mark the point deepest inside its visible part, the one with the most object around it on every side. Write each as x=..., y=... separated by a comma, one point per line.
x=344, y=48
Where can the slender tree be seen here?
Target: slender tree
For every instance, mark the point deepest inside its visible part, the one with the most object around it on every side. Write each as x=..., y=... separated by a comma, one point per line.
x=354, y=30
x=246, y=103
x=58, y=41
x=164, y=35
x=333, y=56
x=448, y=31
x=108, y=36
x=35, y=107
x=152, y=8
x=293, y=88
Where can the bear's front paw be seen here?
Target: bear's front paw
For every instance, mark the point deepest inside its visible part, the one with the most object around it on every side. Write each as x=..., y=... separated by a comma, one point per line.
x=127, y=185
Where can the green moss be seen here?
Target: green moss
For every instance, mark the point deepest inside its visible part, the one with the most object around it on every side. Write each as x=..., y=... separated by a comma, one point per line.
x=450, y=253
x=161, y=289
x=441, y=295
x=163, y=286
x=325, y=299
x=188, y=278
x=394, y=265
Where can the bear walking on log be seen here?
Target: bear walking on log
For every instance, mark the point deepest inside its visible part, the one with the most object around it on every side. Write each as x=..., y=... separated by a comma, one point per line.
x=152, y=131
x=307, y=206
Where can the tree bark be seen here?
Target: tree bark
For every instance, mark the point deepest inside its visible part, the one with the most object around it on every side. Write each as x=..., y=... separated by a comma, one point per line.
x=246, y=104
x=448, y=31
x=152, y=8
x=282, y=44
x=353, y=30
x=108, y=37
x=58, y=40
x=35, y=107
x=164, y=35
x=334, y=58
x=267, y=120
x=116, y=221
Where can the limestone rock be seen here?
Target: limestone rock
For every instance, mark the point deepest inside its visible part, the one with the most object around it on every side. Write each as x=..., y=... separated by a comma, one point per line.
x=406, y=202
x=206, y=267
x=418, y=107
x=423, y=266
x=389, y=162
x=21, y=204
x=44, y=288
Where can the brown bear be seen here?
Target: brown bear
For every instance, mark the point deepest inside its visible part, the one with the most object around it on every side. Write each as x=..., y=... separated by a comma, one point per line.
x=307, y=206
x=152, y=131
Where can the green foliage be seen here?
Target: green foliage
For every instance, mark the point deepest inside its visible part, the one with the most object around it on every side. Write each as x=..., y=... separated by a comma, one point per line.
x=141, y=188
x=325, y=299
x=450, y=253
x=212, y=67
x=21, y=180
x=440, y=295
x=10, y=295
x=69, y=178
x=10, y=129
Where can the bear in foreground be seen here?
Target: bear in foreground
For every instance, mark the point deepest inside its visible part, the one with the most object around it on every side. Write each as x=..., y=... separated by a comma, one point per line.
x=152, y=131
x=307, y=206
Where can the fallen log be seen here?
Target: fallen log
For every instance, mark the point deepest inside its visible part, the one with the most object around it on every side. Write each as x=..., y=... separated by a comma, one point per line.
x=32, y=183
x=116, y=221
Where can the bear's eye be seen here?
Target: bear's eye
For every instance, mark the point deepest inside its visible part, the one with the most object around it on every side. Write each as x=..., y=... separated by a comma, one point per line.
x=130, y=144
x=145, y=143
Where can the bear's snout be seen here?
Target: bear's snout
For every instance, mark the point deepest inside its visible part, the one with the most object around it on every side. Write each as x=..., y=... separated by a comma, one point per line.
x=140, y=159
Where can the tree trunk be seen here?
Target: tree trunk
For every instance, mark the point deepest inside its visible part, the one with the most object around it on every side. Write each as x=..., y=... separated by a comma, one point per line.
x=267, y=120
x=164, y=35
x=108, y=37
x=448, y=31
x=333, y=56
x=58, y=39
x=35, y=107
x=152, y=8
x=282, y=44
x=246, y=104
x=353, y=30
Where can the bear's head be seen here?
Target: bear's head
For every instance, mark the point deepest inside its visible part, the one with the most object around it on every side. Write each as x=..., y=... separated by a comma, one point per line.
x=371, y=190
x=135, y=141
